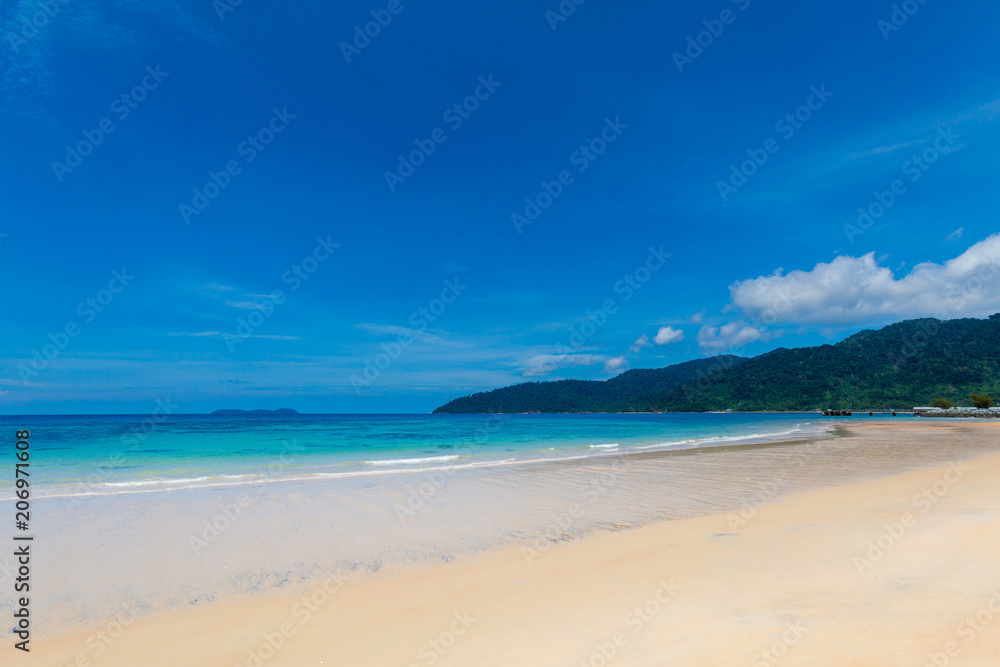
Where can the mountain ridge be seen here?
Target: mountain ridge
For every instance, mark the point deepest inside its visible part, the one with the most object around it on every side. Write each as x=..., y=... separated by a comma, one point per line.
x=898, y=366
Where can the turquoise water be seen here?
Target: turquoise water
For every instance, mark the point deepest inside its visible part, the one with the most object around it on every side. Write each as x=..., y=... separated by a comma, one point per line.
x=96, y=455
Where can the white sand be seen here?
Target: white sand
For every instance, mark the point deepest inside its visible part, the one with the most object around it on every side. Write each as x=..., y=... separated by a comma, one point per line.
x=787, y=577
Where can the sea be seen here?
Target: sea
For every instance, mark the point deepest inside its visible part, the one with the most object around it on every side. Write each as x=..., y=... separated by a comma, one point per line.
x=165, y=512
x=126, y=454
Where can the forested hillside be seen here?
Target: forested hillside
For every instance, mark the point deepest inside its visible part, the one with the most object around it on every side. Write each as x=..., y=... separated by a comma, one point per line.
x=898, y=366
x=631, y=391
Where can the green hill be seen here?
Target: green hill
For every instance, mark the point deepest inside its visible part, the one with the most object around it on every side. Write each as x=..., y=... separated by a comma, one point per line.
x=632, y=391
x=898, y=366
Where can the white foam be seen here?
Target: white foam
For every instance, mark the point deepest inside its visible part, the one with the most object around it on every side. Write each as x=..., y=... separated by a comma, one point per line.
x=410, y=465
x=392, y=462
x=179, y=480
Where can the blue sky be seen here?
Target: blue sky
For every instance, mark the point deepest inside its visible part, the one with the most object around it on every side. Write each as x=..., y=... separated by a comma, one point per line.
x=428, y=283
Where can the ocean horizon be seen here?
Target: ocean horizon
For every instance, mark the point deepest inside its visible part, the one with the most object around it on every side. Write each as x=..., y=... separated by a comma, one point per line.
x=86, y=455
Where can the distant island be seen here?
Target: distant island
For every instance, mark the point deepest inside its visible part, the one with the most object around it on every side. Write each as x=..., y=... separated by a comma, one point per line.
x=911, y=363
x=280, y=411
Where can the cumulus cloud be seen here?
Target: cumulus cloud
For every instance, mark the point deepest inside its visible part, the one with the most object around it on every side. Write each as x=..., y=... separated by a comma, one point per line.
x=716, y=340
x=667, y=335
x=640, y=342
x=544, y=364
x=852, y=291
x=614, y=365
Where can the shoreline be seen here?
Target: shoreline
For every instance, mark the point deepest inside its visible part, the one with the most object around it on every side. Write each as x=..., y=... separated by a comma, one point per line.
x=378, y=613
x=469, y=457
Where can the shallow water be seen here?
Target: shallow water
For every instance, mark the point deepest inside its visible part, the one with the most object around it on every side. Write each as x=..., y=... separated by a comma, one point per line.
x=93, y=455
x=168, y=548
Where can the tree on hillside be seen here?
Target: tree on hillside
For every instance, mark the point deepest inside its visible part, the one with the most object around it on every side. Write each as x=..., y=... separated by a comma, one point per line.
x=981, y=401
x=943, y=403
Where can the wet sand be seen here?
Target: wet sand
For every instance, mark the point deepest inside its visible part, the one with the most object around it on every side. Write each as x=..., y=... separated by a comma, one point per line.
x=778, y=555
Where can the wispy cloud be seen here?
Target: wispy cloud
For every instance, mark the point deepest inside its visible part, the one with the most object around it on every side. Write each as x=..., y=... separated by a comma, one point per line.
x=615, y=365
x=209, y=334
x=715, y=340
x=194, y=334
x=30, y=57
x=403, y=332
x=884, y=149
x=215, y=287
x=246, y=305
x=640, y=342
x=546, y=364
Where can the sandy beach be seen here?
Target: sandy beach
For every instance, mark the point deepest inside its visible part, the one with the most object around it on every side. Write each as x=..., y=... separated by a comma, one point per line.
x=899, y=568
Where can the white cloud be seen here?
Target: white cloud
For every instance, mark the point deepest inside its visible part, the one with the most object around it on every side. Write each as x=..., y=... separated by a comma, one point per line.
x=957, y=234
x=667, y=335
x=640, y=342
x=883, y=149
x=215, y=287
x=544, y=364
x=205, y=334
x=698, y=318
x=194, y=334
x=853, y=291
x=246, y=305
x=614, y=365
x=715, y=340
x=399, y=332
